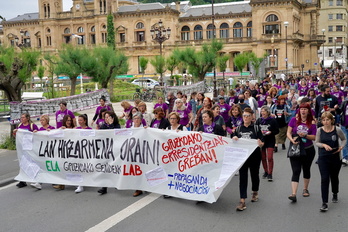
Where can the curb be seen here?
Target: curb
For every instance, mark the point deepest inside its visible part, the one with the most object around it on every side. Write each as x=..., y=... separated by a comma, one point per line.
x=7, y=181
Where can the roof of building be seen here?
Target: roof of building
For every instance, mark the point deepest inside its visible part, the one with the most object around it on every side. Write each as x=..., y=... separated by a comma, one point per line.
x=219, y=8
x=28, y=16
x=136, y=7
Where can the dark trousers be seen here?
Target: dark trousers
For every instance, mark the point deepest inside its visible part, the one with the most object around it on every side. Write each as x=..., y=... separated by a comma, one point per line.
x=252, y=163
x=329, y=167
x=303, y=162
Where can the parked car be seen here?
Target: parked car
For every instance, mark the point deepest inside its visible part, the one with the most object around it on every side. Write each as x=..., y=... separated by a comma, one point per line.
x=145, y=83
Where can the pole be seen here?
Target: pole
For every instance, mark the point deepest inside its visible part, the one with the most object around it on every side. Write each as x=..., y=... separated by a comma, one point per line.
x=212, y=21
x=323, y=30
x=81, y=83
x=286, y=48
x=334, y=51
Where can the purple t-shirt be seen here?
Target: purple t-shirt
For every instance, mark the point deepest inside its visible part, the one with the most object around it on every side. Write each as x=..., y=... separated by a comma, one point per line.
x=49, y=127
x=97, y=111
x=303, y=127
x=224, y=111
x=100, y=122
x=87, y=128
x=156, y=123
x=232, y=99
x=60, y=115
x=339, y=95
x=209, y=128
x=129, y=123
x=28, y=127
x=261, y=100
x=164, y=106
x=302, y=90
x=184, y=116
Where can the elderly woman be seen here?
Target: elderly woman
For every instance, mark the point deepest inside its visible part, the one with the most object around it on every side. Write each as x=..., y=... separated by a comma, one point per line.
x=302, y=129
x=45, y=120
x=143, y=109
x=329, y=160
x=160, y=121
x=184, y=112
x=174, y=120
x=269, y=129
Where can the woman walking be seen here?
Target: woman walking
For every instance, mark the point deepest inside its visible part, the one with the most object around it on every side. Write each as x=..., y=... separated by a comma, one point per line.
x=302, y=129
x=329, y=160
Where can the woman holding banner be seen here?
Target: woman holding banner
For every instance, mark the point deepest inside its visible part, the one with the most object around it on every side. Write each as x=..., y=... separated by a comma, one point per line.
x=137, y=118
x=159, y=122
x=67, y=124
x=26, y=124
x=111, y=122
x=209, y=126
x=102, y=102
x=249, y=131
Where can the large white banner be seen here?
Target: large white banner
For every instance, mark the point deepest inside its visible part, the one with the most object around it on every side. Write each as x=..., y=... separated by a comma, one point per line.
x=190, y=165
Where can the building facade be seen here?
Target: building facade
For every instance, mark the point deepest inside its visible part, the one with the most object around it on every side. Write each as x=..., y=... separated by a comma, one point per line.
x=333, y=22
x=286, y=32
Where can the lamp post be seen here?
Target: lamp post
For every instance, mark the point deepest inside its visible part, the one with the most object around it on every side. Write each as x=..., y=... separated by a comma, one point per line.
x=334, y=54
x=160, y=34
x=21, y=43
x=323, y=30
x=214, y=70
x=286, y=24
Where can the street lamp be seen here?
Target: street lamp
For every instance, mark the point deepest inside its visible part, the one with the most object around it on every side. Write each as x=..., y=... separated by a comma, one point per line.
x=22, y=44
x=286, y=24
x=323, y=30
x=212, y=22
x=160, y=34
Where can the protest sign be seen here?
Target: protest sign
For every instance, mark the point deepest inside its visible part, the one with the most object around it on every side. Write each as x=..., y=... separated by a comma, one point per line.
x=189, y=165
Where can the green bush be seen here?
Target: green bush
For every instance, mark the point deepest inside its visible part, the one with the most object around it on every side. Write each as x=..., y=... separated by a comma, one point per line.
x=8, y=143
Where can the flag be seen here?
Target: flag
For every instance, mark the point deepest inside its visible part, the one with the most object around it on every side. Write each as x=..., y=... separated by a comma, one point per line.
x=76, y=36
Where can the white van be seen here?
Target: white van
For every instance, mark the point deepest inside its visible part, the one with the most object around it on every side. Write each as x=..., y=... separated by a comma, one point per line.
x=145, y=83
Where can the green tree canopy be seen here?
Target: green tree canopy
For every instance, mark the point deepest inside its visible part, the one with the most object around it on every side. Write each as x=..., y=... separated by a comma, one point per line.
x=15, y=69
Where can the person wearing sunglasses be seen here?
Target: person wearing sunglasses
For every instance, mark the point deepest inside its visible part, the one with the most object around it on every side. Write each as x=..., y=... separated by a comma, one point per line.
x=248, y=130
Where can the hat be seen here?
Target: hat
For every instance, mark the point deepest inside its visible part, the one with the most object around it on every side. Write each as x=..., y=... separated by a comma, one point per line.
x=285, y=92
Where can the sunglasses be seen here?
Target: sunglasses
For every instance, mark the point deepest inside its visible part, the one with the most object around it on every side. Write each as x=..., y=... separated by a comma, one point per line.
x=246, y=115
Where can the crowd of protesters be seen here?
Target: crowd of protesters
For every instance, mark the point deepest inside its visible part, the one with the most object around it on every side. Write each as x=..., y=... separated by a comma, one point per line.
x=307, y=110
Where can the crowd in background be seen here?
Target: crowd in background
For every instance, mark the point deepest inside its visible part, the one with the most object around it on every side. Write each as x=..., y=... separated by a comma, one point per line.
x=306, y=110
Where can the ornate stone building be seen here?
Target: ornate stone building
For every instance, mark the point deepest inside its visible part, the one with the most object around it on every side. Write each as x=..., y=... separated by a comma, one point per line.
x=279, y=28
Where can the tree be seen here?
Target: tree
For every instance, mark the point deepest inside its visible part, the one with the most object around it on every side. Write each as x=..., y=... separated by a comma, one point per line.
x=159, y=63
x=111, y=32
x=201, y=62
x=143, y=66
x=256, y=62
x=72, y=62
x=41, y=73
x=222, y=64
x=15, y=69
x=106, y=64
x=240, y=61
x=51, y=63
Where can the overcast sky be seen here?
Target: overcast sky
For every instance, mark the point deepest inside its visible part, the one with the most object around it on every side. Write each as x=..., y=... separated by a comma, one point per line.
x=11, y=8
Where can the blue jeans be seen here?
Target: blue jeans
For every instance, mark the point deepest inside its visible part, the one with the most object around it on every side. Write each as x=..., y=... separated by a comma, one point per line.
x=345, y=149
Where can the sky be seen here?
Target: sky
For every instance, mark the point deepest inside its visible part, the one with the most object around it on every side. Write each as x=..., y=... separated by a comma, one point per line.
x=11, y=8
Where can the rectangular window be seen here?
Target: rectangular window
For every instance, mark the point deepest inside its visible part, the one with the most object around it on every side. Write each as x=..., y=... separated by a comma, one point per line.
x=185, y=35
x=122, y=37
x=330, y=28
x=224, y=33
x=339, y=16
x=339, y=40
x=272, y=29
x=140, y=36
x=198, y=35
x=330, y=2
x=330, y=39
x=81, y=40
x=330, y=52
x=67, y=39
x=339, y=28
x=103, y=37
x=330, y=16
x=339, y=3
x=93, y=41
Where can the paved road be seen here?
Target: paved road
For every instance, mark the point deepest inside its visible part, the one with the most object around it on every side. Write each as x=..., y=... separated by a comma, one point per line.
x=50, y=210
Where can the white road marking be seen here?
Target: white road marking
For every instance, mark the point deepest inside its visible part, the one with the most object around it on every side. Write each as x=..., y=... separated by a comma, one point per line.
x=8, y=186
x=123, y=214
x=16, y=160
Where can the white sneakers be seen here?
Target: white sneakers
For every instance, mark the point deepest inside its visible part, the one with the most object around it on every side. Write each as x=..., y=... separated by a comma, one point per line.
x=344, y=161
x=79, y=189
x=36, y=185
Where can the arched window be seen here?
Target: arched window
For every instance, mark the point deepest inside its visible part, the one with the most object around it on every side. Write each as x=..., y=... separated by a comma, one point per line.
x=185, y=33
x=67, y=30
x=224, y=30
x=210, y=31
x=238, y=30
x=140, y=32
x=249, y=29
x=80, y=30
x=93, y=29
x=272, y=24
x=92, y=35
x=198, y=32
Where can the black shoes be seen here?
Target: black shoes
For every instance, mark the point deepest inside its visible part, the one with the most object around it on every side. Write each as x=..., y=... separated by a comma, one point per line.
x=21, y=184
x=324, y=207
x=275, y=149
x=293, y=198
x=283, y=147
x=334, y=198
x=264, y=176
x=103, y=190
x=270, y=177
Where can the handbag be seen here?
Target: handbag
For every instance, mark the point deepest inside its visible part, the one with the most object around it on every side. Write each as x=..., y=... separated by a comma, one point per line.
x=294, y=150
